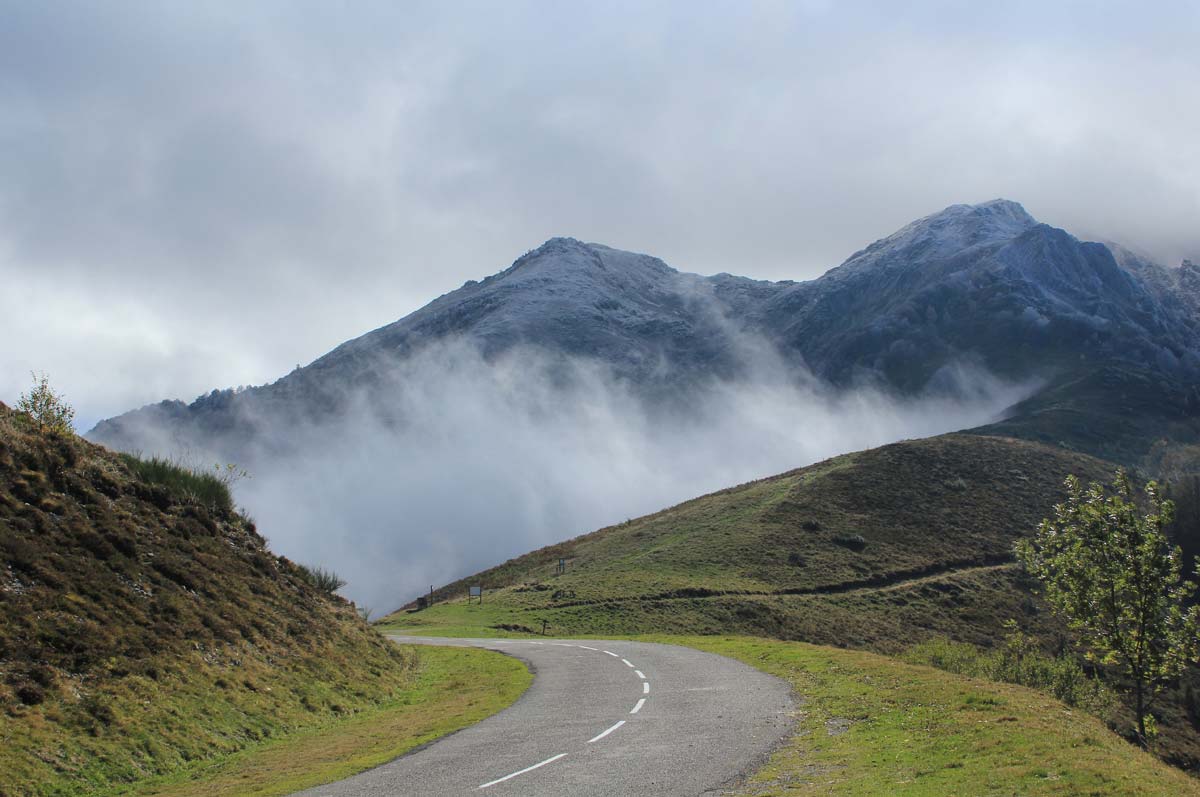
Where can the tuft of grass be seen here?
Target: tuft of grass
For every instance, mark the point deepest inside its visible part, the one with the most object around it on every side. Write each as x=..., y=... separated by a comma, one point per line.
x=322, y=579
x=185, y=484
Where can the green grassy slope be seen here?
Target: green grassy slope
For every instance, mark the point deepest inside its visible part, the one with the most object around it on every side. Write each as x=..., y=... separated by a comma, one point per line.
x=875, y=550
x=1137, y=417
x=928, y=519
x=144, y=629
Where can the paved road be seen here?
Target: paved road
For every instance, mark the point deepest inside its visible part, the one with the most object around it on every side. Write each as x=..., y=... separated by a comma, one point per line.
x=601, y=718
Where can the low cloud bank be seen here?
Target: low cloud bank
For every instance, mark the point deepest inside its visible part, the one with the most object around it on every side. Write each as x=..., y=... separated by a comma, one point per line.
x=474, y=462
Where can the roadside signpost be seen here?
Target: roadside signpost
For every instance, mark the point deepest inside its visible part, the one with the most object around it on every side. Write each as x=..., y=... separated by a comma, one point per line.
x=476, y=592
x=562, y=566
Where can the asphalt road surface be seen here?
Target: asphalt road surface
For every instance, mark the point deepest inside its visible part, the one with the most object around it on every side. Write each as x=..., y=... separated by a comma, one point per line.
x=601, y=718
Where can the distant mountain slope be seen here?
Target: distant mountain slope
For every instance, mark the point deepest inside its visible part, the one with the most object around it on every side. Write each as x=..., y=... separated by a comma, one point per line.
x=142, y=629
x=890, y=514
x=984, y=285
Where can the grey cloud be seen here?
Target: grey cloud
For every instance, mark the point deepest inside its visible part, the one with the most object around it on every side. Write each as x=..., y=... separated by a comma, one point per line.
x=229, y=189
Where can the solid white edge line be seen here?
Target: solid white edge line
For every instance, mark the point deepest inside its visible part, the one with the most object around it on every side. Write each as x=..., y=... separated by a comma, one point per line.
x=614, y=655
x=550, y=760
x=628, y=663
x=645, y=687
x=606, y=733
x=640, y=674
x=641, y=702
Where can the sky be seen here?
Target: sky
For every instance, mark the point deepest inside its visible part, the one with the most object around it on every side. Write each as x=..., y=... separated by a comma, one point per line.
x=199, y=195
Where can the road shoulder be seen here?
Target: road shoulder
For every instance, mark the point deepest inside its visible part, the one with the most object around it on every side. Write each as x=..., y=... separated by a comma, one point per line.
x=457, y=687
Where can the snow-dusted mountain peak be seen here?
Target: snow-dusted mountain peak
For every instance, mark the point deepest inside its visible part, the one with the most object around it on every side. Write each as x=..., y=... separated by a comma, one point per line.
x=570, y=259
x=1004, y=209
x=962, y=226
x=948, y=233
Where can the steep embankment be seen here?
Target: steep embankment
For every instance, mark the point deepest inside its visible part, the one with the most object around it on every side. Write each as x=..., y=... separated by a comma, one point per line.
x=875, y=550
x=143, y=627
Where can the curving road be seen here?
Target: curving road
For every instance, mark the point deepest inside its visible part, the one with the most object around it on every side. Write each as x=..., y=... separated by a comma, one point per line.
x=601, y=718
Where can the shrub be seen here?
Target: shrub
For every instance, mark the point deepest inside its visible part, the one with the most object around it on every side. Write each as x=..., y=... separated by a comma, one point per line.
x=321, y=579
x=1107, y=567
x=1019, y=661
x=47, y=407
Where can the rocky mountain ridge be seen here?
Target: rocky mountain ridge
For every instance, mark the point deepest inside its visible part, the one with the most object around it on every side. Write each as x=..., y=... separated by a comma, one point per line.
x=985, y=285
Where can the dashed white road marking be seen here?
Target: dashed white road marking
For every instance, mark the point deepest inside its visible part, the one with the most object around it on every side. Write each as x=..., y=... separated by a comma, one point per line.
x=549, y=760
x=614, y=655
x=645, y=687
x=628, y=663
x=641, y=702
x=585, y=647
x=606, y=733
x=640, y=674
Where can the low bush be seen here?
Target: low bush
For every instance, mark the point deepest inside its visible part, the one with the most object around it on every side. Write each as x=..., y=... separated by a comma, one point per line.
x=1019, y=661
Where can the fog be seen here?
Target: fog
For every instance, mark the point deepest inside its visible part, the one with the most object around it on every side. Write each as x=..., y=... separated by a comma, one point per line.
x=489, y=460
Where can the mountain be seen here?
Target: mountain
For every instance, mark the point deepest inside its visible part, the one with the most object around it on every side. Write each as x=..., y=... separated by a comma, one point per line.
x=145, y=625
x=984, y=286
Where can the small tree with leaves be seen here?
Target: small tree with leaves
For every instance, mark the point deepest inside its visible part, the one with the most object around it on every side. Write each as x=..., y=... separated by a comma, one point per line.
x=47, y=407
x=1110, y=571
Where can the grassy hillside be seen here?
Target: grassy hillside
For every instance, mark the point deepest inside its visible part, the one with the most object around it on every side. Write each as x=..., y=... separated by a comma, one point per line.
x=876, y=550
x=1137, y=417
x=145, y=627
x=911, y=527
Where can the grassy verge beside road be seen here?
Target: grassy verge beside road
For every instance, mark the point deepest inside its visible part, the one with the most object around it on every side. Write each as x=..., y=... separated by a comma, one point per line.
x=872, y=725
x=454, y=688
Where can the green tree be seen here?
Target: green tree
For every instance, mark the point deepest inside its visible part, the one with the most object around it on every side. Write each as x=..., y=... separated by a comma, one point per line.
x=1110, y=571
x=47, y=407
